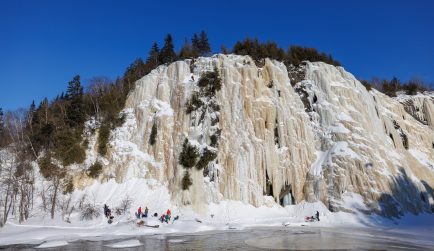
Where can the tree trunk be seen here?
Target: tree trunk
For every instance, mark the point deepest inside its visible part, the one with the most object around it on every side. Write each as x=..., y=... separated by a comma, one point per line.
x=53, y=202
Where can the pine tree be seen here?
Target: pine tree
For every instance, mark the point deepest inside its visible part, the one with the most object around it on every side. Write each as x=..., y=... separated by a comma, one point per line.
x=42, y=111
x=167, y=53
x=224, y=50
x=31, y=115
x=134, y=72
x=195, y=45
x=32, y=108
x=74, y=88
x=3, y=140
x=152, y=60
x=204, y=47
x=2, y=123
x=75, y=110
x=188, y=156
x=394, y=84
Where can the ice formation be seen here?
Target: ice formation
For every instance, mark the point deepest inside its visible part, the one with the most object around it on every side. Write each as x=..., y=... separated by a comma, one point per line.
x=314, y=140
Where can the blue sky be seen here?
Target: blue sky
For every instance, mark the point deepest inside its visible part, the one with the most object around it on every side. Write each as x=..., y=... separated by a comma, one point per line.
x=43, y=44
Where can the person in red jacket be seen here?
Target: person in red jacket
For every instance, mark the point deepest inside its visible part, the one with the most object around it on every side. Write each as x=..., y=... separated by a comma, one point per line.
x=168, y=212
x=139, y=213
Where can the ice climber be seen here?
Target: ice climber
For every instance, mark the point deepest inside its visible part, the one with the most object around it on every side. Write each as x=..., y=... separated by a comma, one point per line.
x=146, y=212
x=106, y=210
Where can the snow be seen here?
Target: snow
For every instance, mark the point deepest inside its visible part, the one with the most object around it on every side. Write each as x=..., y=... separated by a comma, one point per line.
x=345, y=117
x=316, y=167
x=226, y=215
x=161, y=108
x=422, y=158
x=126, y=244
x=339, y=128
x=341, y=148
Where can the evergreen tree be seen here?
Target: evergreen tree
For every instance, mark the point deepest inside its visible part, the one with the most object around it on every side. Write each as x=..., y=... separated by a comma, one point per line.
x=134, y=72
x=74, y=88
x=224, y=50
x=2, y=123
x=195, y=45
x=76, y=109
x=167, y=53
x=31, y=115
x=42, y=111
x=204, y=47
x=32, y=108
x=188, y=156
x=152, y=60
x=394, y=84
x=2, y=131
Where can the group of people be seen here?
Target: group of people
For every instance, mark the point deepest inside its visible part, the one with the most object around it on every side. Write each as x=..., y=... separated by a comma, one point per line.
x=166, y=217
x=140, y=214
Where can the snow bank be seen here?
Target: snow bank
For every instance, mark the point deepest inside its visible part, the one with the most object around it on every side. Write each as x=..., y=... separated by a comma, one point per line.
x=220, y=216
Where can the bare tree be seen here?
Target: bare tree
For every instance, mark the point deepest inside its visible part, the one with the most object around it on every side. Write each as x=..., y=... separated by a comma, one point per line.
x=17, y=177
x=55, y=174
x=97, y=87
x=6, y=186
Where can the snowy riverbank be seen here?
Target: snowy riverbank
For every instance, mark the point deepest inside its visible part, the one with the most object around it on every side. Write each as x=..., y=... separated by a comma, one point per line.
x=225, y=216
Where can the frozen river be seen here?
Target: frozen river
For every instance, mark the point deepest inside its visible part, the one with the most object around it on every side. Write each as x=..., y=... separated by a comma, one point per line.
x=275, y=238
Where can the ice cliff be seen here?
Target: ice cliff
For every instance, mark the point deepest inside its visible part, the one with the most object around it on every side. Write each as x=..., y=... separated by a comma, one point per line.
x=278, y=141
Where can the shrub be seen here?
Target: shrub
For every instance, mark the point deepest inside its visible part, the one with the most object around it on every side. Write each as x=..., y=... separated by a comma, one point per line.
x=68, y=186
x=210, y=83
x=214, y=138
x=366, y=84
x=194, y=103
x=207, y=156
x=186, y=181
x=48, y=169
x=68, y=148
x=189, y=155
x=89, y=211
x=124, y=206
x=297, y=54
x=118, y=121
x=103, y=138
x=153, y=135
x=214, y=105
x=95, y=170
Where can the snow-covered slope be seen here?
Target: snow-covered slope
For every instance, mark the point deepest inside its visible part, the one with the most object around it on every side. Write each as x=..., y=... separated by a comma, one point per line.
x=318, y=140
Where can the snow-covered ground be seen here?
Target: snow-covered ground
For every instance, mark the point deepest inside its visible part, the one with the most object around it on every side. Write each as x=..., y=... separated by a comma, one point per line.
x=40, y=229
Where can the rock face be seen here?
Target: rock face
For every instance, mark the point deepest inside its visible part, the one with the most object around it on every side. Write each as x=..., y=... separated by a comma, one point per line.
x=323, y=137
